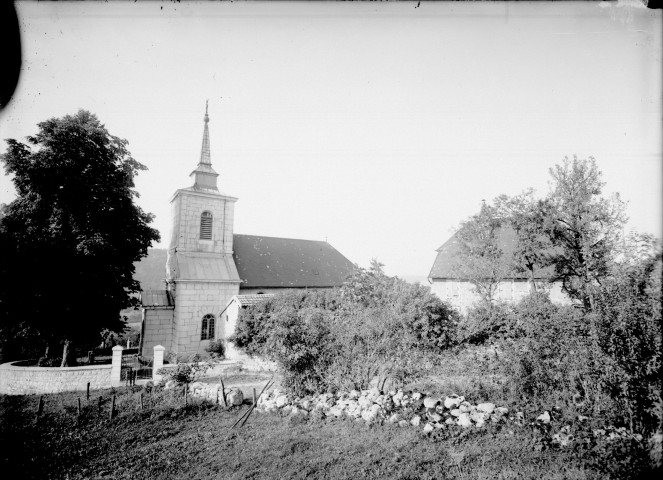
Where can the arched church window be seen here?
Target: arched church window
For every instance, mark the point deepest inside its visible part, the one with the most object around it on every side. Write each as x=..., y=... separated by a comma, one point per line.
x=206, y=225
x=207, y=328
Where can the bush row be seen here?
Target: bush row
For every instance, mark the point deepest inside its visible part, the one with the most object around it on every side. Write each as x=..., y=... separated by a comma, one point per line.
x=606, y=361
x=341, y=339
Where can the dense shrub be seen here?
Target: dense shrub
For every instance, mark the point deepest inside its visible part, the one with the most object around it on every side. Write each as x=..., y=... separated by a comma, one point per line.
x=606, y=361
x=423, y=314
x=628, y=330
x=255, y=324
x=183, y=373
x=216, y=348
x=341, y=339
x=487, y=322
x=549, y=356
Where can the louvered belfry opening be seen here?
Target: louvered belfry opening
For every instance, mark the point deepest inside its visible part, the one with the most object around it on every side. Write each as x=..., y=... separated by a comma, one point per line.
x=206, y=226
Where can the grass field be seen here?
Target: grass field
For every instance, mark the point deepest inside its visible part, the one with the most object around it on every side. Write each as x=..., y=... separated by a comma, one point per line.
x=167, y=440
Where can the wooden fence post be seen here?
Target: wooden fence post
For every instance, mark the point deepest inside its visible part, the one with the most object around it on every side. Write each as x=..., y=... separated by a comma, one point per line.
x=99, y=407
x=112, y=408
x=141, y=400
x=88, y=391
x=78, y=410
x=223, y=393
x=40, y=408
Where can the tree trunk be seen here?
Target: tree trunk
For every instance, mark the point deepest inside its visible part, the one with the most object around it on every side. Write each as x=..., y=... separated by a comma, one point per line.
x=66, y=352
x=532, y=282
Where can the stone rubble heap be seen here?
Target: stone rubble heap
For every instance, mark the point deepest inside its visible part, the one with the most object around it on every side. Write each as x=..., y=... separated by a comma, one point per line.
x=396, y=407
x=400, y=408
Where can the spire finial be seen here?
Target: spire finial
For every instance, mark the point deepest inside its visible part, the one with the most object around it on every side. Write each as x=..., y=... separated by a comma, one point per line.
x=206, y=115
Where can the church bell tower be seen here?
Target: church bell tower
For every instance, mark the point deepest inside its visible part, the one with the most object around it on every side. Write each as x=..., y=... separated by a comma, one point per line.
x=200, y=270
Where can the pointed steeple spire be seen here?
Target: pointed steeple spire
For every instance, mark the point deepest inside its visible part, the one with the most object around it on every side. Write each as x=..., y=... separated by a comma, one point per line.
x=205, y=151
x=204, y=175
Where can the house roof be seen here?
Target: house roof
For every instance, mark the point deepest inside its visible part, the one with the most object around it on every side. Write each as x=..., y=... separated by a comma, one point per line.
x=288, y=262
x=508, y=239
x=156, y=299
x=247, y=300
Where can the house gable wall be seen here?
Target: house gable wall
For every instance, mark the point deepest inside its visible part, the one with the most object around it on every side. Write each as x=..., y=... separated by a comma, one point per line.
x=461, y=293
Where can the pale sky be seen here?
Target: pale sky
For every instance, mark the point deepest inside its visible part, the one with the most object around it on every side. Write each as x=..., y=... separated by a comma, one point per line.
x=377, y=126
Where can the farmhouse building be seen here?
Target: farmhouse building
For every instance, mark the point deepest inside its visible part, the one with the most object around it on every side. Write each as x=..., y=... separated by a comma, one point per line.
x=449, y=287
x=208, y=266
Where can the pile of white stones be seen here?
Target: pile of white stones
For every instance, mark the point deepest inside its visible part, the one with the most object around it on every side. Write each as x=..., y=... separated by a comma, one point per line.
x=395, y=407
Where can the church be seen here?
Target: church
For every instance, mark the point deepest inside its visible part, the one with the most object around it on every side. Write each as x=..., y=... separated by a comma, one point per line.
x=210, y=270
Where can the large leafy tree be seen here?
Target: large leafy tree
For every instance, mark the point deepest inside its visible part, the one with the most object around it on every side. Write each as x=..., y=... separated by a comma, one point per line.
x=584, y=227
x=524, y=214
x=71, y=237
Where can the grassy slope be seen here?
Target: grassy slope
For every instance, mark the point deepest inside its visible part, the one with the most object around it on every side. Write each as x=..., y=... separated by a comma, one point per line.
x=168, y=441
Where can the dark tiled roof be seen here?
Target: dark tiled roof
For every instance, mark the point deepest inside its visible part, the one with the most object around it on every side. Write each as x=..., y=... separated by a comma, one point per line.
x=288, y=262
x=443, y=265
x=156, y=298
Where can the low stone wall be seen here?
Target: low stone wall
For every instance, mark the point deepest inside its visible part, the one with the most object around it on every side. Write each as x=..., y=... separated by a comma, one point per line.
x=18, y=380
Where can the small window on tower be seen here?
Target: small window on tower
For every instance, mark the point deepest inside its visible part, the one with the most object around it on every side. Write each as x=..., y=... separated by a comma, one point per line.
x=206, y=226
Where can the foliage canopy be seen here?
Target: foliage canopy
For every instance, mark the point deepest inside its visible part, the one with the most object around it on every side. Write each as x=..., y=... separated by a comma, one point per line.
x=374, y=325
x=574, y=230
x=584, y=226
x=73, y=233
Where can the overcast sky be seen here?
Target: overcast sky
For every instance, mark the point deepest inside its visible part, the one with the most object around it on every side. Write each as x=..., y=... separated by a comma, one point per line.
x=377, y=126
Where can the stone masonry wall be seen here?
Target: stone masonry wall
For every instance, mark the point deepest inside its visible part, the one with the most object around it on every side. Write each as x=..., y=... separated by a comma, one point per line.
x=157, y=330
x=187, y=209
x=17, y=380
x=194, y=301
